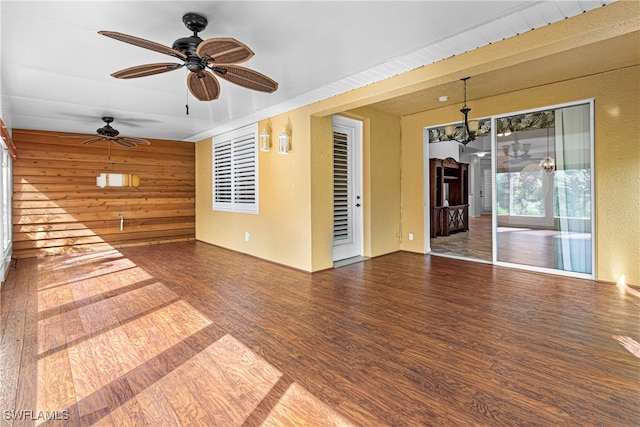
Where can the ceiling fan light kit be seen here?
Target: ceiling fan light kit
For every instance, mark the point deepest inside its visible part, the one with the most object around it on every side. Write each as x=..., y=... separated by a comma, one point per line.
x=205, y=60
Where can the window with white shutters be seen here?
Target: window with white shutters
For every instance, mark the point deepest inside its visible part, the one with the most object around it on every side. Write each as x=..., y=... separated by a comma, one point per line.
x=235, y=171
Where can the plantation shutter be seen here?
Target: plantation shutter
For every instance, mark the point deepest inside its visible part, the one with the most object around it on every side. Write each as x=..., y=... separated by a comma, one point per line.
x=486, y=188
x=341, y=188
x=222, y=172
x=245, y=170
x=235, y=160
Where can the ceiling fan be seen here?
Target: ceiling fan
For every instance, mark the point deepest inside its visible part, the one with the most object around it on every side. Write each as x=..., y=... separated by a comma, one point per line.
x=108, y=133
x=205, y=59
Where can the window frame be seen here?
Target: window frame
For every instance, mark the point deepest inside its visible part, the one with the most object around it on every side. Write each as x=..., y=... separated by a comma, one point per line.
x=6, y=193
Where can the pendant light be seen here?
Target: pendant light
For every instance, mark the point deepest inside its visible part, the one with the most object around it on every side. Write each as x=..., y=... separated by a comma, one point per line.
x=548, y=164
x=470, y=126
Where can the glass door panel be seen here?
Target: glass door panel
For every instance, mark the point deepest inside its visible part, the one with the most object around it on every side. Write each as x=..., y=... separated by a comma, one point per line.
x=473, y=241
x=543, y=188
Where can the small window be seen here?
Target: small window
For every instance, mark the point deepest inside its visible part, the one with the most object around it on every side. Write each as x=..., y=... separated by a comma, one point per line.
x=235, y=170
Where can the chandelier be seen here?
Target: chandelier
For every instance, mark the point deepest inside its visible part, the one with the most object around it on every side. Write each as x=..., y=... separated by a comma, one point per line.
x=470, y=126
x=517, y=150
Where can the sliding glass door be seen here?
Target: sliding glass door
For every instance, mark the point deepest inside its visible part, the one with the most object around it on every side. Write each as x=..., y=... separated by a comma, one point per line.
x=543, y=189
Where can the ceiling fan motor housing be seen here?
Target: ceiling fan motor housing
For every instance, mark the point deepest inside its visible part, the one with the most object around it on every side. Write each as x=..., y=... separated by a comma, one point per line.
x=107, y=131
x=188, y=46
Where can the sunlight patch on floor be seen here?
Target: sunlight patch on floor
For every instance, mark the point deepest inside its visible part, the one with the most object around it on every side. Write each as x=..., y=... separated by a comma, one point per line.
x=298, y=407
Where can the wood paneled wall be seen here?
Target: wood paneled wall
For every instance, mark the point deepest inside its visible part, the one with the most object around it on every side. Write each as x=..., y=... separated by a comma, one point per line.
x=58, y=208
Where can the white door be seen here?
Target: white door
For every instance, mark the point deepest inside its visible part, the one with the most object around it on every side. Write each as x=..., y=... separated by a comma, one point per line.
x=347, y=188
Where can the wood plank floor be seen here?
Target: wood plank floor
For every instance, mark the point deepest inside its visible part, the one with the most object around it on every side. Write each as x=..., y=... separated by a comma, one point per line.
x=526, y=246
x=191, y=334
x=474, y=243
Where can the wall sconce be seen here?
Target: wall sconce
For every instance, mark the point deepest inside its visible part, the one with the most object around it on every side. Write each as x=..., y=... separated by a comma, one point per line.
x=470, y=126
x=265, y=136
x=284, y=140
x=117, y=180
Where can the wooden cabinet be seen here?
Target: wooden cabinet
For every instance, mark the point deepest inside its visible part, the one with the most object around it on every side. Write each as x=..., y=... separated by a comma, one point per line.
x=449, y=196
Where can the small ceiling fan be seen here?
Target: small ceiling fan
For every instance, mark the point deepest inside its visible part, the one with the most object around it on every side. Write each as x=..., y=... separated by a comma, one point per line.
x=517, y=153
x=108, y=133
x=205, y=59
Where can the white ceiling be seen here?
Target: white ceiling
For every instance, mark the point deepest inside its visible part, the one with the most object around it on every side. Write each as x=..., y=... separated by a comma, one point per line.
x=56, y=67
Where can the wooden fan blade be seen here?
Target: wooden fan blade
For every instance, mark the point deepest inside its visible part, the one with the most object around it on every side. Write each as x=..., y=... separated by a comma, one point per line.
x=90, y=141
x=76, y=136
x=224, y=51
x=146, y=70
x=136, y=41
x=246, y=78
x=135, y=141
x=203, y=86
x=124, y=141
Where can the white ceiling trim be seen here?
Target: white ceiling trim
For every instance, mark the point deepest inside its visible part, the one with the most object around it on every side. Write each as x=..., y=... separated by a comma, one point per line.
x=539, y=14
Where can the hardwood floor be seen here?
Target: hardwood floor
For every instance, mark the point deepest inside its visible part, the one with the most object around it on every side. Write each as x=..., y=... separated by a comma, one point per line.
x=191, y=334
x=473, y=244
x=525, y=246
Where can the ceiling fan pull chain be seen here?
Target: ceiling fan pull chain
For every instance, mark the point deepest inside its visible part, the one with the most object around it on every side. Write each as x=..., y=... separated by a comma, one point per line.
x=186, y=92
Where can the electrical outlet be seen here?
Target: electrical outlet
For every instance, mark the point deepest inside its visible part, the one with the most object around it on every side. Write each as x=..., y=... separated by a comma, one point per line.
x=246, y=236
x=410, y=236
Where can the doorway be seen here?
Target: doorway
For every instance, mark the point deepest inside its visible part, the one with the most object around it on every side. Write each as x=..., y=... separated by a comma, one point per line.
x=347, y=188
x=531, y=173
x=475, y=243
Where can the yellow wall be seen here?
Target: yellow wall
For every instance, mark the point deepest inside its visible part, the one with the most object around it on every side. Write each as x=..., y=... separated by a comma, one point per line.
x=321, y=170
x=381, y=180
x=287, y=229
x=281, y=232
x=294, y=224
x=617, y=161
